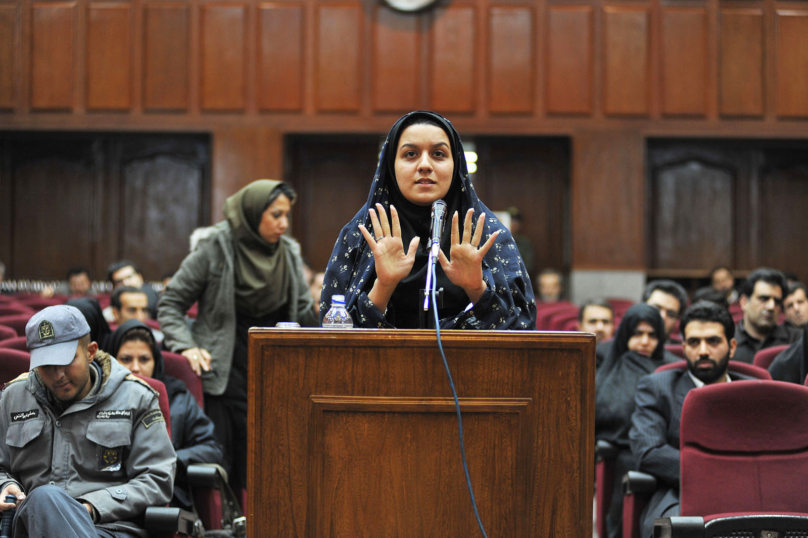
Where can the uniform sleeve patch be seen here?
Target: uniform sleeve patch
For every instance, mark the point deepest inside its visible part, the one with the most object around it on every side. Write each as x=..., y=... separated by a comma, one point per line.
x=21, y=416
x=152, y=418
x=118, y=414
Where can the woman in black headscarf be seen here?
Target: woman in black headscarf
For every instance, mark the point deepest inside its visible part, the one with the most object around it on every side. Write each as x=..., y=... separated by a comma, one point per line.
x=99, y=328
x=133, y=345
x=638, y=350
x=485, y=283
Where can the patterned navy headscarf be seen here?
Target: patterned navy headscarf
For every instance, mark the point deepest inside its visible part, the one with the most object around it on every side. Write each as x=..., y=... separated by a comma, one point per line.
x=507, y=304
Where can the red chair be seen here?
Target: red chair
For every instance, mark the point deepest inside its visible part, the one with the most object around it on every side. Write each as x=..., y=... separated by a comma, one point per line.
x=676, y=349
x=765, y=357
x=5, y=299
x=559, y=319
x=13, y=363
x=154, y=324
x=14, y=309
x=743, y=462
x=38, y=303
x=16, y=322
x=103, y=300
x=546, y=311
x=570, y=325
x=177, y=366
x=6, y=333
x=734, y=366
x=193, y=311
x=19, y=343
x=620, y=305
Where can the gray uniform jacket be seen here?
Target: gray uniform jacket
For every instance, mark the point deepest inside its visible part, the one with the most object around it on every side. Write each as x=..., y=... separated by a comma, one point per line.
x=207, y=275
x=111, y=449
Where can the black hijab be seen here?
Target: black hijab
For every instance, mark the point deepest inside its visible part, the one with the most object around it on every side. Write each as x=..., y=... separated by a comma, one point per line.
x=616, y=380
x=351, y=271
x=792, y=364
x=173, y=385
x=99, y=328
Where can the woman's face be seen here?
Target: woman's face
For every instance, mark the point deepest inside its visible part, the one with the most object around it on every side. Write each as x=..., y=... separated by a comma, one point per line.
x=137, y=357
x=275, y=219
x=644, y=340
x=424, y=164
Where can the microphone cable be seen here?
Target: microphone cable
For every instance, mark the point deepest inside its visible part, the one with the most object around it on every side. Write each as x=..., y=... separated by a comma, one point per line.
x=456, y=401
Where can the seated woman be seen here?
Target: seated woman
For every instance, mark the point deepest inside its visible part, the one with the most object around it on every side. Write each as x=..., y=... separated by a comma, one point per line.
x=485, y=283
x=637, y=351
x=133, y=345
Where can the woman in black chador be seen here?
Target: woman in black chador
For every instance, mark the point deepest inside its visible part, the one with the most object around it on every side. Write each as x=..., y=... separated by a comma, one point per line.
x=379, y=262
x=638, y=350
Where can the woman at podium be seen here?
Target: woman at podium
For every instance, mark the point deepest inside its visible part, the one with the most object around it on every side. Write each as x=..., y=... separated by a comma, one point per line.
x=379, y=262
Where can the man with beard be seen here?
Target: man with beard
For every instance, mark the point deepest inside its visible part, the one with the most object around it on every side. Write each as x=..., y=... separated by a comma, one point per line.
x=761, y=301
x=709, y=344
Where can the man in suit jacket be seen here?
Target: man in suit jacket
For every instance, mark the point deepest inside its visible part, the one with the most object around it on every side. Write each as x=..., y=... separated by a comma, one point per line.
x=709, y=344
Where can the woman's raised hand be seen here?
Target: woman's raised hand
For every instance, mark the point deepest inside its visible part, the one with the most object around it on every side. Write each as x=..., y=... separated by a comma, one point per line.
x=392, y=263
x=466, y=266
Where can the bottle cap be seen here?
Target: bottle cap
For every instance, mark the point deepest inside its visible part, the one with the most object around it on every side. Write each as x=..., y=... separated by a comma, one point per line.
x=338, y=299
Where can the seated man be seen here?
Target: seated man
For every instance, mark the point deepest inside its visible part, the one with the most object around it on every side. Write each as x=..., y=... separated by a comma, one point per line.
x=709, y=345
x=133, y=345
x=795, y=306
x=761, y=300
x=128, y=303
x=79, y=284
x=723, y=281
x=126, y=273
x=86, y=448
x=550, y=286
x=597, y=317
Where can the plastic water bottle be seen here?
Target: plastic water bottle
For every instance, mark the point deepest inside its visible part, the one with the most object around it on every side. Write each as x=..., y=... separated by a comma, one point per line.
x=8, y=518
x=337, y=316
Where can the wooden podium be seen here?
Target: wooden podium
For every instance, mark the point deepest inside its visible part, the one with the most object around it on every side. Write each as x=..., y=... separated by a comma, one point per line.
x=353, y=433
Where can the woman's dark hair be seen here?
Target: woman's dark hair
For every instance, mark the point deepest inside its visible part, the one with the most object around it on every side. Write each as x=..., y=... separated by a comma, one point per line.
x=138, y=334
x=708, y=311
x=763, y=274
x=284, y=189
x=416, y=119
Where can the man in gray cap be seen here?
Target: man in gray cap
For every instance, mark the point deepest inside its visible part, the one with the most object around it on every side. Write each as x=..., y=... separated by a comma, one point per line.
x=86, y=449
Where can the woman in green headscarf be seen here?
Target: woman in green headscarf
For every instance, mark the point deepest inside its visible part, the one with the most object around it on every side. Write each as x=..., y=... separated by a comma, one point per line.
x=244, y=272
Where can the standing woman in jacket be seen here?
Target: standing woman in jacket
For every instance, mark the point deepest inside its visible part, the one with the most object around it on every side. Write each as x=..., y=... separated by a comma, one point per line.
x=244, y=272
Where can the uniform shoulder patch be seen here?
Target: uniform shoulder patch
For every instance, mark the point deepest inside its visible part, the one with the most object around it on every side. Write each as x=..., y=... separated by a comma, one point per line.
x=152, y=417
x=22, y=377
x=136, y=379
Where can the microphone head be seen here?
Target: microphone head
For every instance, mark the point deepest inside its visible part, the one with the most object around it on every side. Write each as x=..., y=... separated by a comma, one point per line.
x=438, y=207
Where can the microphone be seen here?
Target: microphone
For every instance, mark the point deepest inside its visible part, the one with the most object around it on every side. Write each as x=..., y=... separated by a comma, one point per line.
x=436, y=228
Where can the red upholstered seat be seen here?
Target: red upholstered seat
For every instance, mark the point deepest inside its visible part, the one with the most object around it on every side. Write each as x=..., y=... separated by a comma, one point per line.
x=546, y=311
x=38, y=303
x=765, y=357
x=676, y=349
x=13, y=309
x=559, y=319
x=6, y=333
x=18, y=342
x=13, y=363
x=16, y=322
x=742, y=449
x=734, y=366
x=177, y=366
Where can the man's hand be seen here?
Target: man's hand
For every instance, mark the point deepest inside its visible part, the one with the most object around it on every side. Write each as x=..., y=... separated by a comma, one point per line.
x=11, y=489
x=199, y=359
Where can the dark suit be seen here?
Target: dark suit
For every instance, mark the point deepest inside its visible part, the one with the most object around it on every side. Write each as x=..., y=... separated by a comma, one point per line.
x=654, y=438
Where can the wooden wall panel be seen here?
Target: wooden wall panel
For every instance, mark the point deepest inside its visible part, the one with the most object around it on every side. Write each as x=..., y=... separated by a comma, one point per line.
x=109, y=56
x=626, y=62
x=792, y=63
x=684, y=61
x=396, y=61
x=53, y=55
x=8, y=38
x=453, y=51
x=339, y=57
x=740, y=62
x=569, y=60
x=224, y=56
x=166, y=56
x=280, y=56
x=784, y=194
x=511, y=59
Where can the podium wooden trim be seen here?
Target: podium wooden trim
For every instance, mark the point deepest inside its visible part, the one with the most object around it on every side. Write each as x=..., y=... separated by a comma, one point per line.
x=354, y=433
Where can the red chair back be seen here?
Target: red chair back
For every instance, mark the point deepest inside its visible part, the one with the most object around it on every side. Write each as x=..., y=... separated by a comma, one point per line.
x=20, y=343
x=16, y=322
x=6, y=333
x=734, y=366
x=154, y=324
x=742, y=449
x=765, y=357
x=560, y=319
x=676, y=349
x=13, y=309
x=13, y=363
x=5, y=299
x=177, y=367
x=38, y=303
x=165, y=407
x=546, y=311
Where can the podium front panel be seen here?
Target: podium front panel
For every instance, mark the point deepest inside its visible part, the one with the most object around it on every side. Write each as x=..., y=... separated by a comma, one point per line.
x=354, y=433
